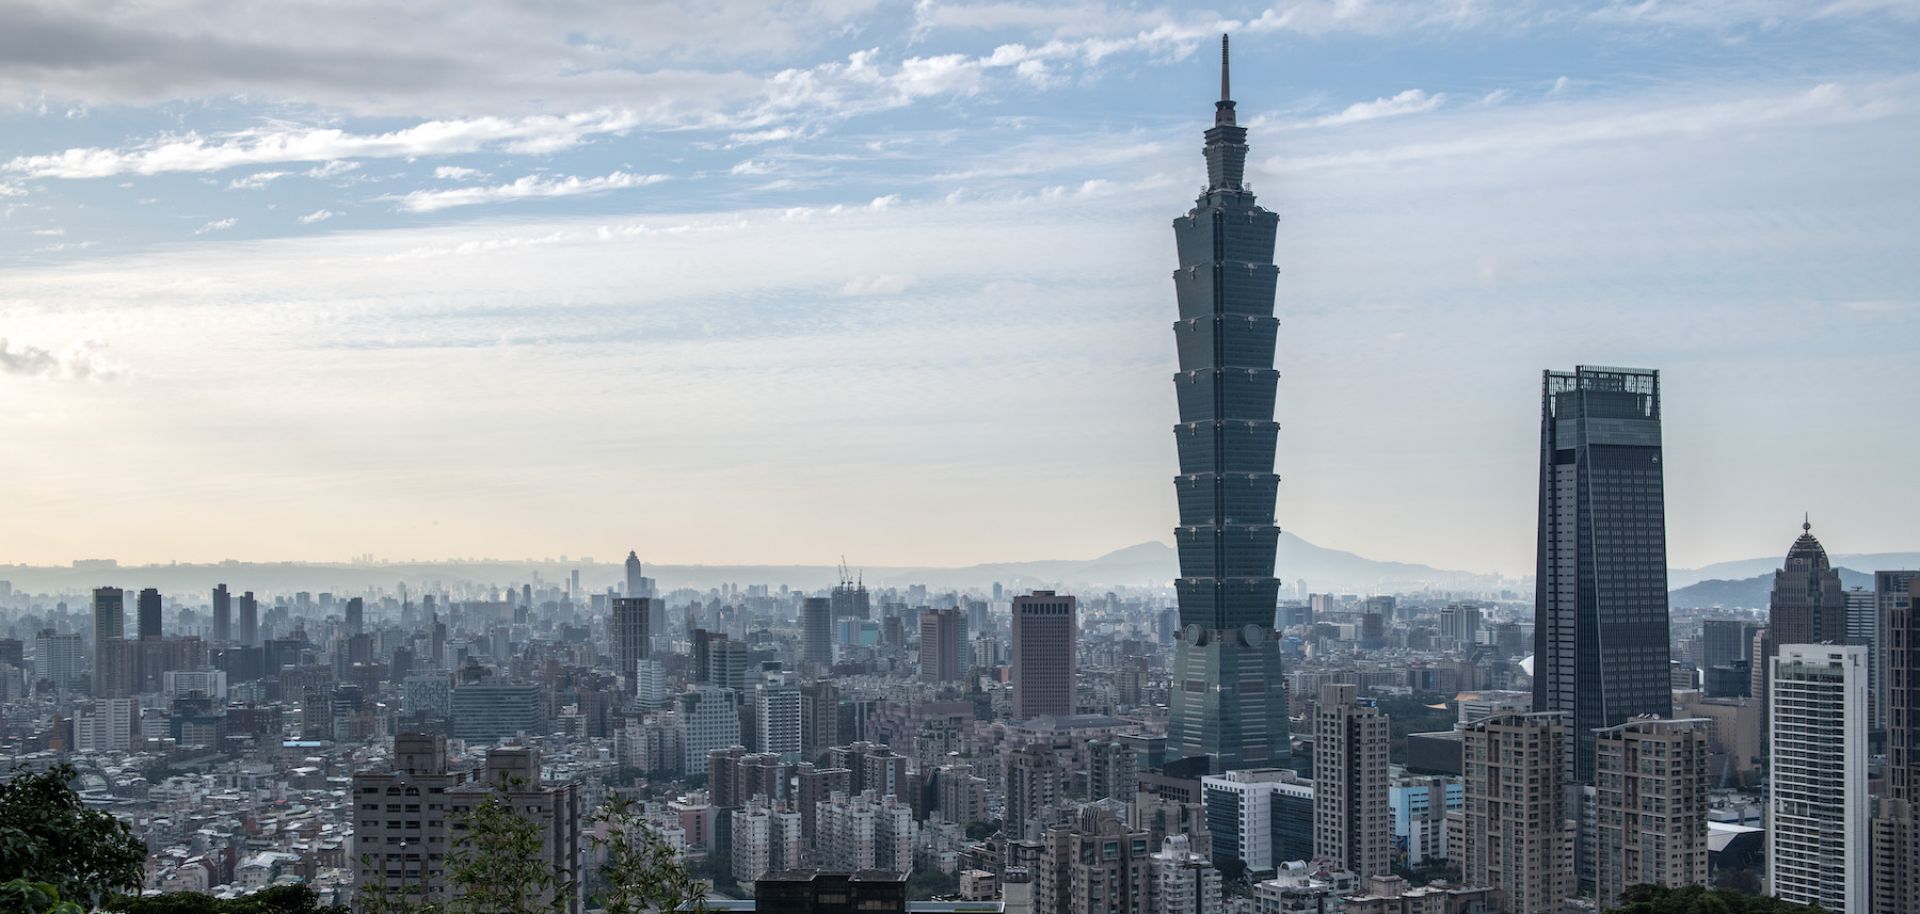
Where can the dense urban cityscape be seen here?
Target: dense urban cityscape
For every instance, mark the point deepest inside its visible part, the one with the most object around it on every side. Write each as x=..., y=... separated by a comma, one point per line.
x=1203, y=730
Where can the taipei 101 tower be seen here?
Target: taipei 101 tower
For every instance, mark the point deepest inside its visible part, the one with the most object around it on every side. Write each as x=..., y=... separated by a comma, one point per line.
x=1229, y=700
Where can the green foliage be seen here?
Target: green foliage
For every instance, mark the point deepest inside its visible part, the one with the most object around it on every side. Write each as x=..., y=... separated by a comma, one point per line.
x=718, y=872
x=981, y=831
x=279, y=899
x=1694, y=899
x=498, y=865
x=642, y=872
x=47, y=836
x=930, y=882
x=34, y=898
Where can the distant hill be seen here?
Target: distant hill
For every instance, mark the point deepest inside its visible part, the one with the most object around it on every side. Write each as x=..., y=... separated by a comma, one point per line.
x=1145, y=564
x=1742, y=569
x=1746, y=593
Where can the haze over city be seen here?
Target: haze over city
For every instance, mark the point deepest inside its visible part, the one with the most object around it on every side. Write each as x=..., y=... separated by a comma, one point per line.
x=772, y=283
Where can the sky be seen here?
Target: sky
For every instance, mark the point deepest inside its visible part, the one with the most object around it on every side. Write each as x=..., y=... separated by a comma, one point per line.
x=734, y=281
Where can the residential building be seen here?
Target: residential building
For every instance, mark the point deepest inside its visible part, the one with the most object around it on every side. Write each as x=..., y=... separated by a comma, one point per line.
x=1650, y=805
x=1517, y=831
x=1353, y=820
x=943, y=634
x=1817, y=805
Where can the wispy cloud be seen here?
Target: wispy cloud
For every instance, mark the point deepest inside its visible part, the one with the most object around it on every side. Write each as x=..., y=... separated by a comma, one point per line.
x=271, y=145
x=256, y=181
x=80, y=362
x=457, y=173
x=527, y=188
x=217, y=225
x=1411, y=101
x=319, y=215
x=882, y=284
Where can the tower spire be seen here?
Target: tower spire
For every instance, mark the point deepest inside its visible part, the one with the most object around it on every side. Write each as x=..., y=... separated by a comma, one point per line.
x=1226, y=86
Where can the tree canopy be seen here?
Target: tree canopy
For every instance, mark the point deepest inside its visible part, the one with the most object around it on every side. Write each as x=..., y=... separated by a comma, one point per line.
x=1695, y=899
x=47, y=836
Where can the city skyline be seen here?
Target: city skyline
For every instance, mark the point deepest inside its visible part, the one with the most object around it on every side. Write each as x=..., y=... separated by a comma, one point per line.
x=413, y=360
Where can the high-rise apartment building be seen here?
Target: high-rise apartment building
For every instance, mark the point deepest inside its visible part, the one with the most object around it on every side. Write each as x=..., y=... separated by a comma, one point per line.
x=1600, y=598
x=58, y=658
x=1650, y=805
x=708, y=720
x=222, y=614
x=1185, y=882
x=356, y=616
x=1896, y=823
x=1229, y=702
x=249, y=620
x=1096, y=864
x=778, y=715
x=1817, y=803
x=819, y=718
x=149, y=614
x=1033, y=784
x=816, y=618
x=1352, y=818
x=1045, y=638
x=1113, y=770
x=865, y=831
x=109, y=614
x=943, y=636
x=1517, y=833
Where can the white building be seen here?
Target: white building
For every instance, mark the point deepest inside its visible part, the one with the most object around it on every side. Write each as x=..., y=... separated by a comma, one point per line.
x=1817, y=803
x=1420, y=805
x=57, y=659
x=184, y=683
x=106, y=726
x=708, y=720
x=1239, y=808
x=1184, y=881
x=865, y=832
x=764, y=841
x=1303, y=888
x=777, y=707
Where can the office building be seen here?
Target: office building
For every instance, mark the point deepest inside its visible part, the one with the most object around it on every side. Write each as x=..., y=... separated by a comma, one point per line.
x=489, y=711
x=1260, y=817
x=850, y=600
x=1517, y=832
x=816, y=615
x=1808, y=604
x=810, y=892
x=356, y=616
x=1600, y=601
x=149, y=614
x=630, y=627
x=1352, y=818
x=109, y=614
x=943, y=634
x=1817, y=803
x=1229, y=703
x=637, y=584
x=1421, y=804
x=106, y=725
x=1650, y=805
x=1045, y=636
x=1726, y=657
x=819, y=718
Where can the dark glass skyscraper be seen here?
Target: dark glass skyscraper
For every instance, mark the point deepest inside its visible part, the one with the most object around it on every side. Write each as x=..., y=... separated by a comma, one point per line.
x=1229, y=701
x=1600, y=594
x=149, y=614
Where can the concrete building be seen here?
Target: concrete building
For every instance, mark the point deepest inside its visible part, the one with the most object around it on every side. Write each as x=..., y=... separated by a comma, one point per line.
x=1185, y=882
x=943, y=635
x=1096, y=865
x=1420, y=806
x=1650, y=805
x=487, y=711
x=765, y=841
x=865, y=832
x=1241, y=824
x=1896, y=824
x=1518, y=833
x=106, y=725
x=59, y=659
x=777, y=713
x=1817, y=803
x=816, y=616
x=1302, y=887
x=1352, y=817
x=1045, y=632
x=708, y=720
x=630, y=628
x=1033, y=783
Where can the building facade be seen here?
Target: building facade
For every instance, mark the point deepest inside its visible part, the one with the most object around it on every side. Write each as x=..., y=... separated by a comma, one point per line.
x=1650, y=805
x=1045, y=634
x=1601, y=650
x=1517, y=835
x=1229, y=703
x=1352, y=818
x=1817, y=803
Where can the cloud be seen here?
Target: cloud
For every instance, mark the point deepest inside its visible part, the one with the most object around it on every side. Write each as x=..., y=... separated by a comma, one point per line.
x=1411, y=101
x=270, y=145
x=331, y=169
x=457, y=173
x=80, y=362
x=319, y=215
x=217, y=225
x=256, y=181
x=883, y=284
x=526, y=188
x=751, y=167
x=884, y=202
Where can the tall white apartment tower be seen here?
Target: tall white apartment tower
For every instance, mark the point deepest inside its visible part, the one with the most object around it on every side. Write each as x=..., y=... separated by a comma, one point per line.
x=1817, y=804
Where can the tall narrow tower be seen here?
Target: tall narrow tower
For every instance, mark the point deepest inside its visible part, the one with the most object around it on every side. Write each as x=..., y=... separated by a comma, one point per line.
x=1229, y=701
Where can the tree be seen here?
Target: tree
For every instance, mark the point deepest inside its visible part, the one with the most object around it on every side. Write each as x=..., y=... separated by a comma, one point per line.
x=982, y=830
x=642, y=872
x=498, y=864
x=279, y=899
x=34, y=898
x=931, y=882
x=1695, y=899
x=47, y=836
